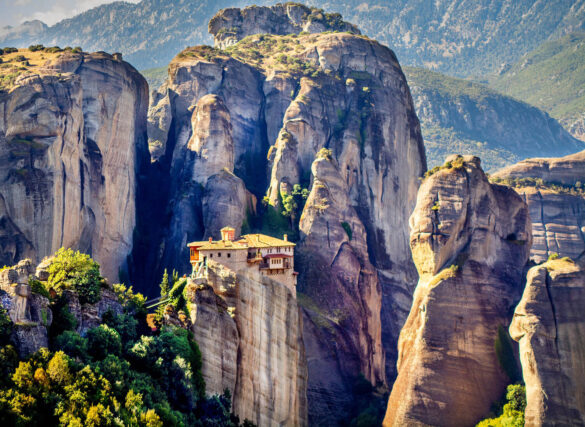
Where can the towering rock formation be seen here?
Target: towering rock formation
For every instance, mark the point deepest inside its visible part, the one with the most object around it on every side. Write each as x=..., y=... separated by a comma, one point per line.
x=259, y=355
x=470, y=241
x=554, y=190
x=72, y=138
x=231, y=25
x=29, y=311
x=287, y=97
x=548, y=323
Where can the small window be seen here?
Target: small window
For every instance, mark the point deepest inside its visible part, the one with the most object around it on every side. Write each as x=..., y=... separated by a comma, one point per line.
x=219, y=254
x=210, y=255
x=229, y=255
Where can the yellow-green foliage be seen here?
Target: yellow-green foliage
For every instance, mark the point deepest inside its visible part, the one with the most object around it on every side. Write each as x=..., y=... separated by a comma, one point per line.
x=511, y=413
x=556, y=263
x=446, y=273
x=16, y=62
x=456, y=164
x=325, y=153
x=73, y=270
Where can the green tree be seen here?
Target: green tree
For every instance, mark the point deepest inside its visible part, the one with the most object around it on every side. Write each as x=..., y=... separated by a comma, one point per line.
x=102, y=341
x=512, y=412
x=164, y=284
x=73, y=344
x=5, y=327
x=75, y=271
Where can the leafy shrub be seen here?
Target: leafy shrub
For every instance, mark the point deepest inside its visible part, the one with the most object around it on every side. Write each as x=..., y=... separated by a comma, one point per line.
x=10, y=50
x=325, y=153
x=75, y=271
x=54, y=49
x=5, y=326
x=511, y=414
x=38, y=288
x=36, y=47
x=102, y=341
x=63, y=320
x=131, y=301
x=72, y=344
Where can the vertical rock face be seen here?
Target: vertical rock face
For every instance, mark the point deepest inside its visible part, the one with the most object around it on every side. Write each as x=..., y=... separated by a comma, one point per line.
x=337, y=271
x=554, y=190
x=72, y=139
x=268, y=376
x=470, y=241
x=287, y=97
x=548, y=323
x=231, y=25
x=216, y=333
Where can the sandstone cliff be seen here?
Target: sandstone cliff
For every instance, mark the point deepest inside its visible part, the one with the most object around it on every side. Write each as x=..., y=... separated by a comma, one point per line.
x=249, y=330
x=231, y=25
x=282, y=99
x=72, y=139
x=548, y=323
x=470, y=241
x=29, y=312
x=555, y=195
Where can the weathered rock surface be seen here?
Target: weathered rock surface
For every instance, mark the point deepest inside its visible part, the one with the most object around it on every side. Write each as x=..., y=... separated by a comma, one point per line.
x=89, y=316
x=216, y=333
x=29, y=312
x=548, y=323
x=558, y=215
x=470, y=241
x=258, y=354
x=231, y=25
x=336, y=271
x=566, y=170
x=301, y=93
x=72, y=138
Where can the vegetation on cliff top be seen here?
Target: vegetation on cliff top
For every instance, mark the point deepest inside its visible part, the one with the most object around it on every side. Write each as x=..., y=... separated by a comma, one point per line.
x=266, y=52
x=118, y=373
x=539, y=184
x=16, y=62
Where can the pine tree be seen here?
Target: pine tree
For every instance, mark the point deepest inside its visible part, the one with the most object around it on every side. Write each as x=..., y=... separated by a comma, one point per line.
x=164, y=285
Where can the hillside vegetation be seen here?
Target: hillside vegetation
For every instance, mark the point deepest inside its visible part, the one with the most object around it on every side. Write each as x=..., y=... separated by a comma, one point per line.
x=460, y=116
x=552, y=77
x=122, y=372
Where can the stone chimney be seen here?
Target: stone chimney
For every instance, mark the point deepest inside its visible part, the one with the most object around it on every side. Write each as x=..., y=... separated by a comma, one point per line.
x=285, y=238
x=228, y=233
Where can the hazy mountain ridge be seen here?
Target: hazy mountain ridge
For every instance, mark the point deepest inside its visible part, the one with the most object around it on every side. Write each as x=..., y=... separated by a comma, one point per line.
x=552, y=77
x=148, y=33
x=455, y=37
x=460, y=116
